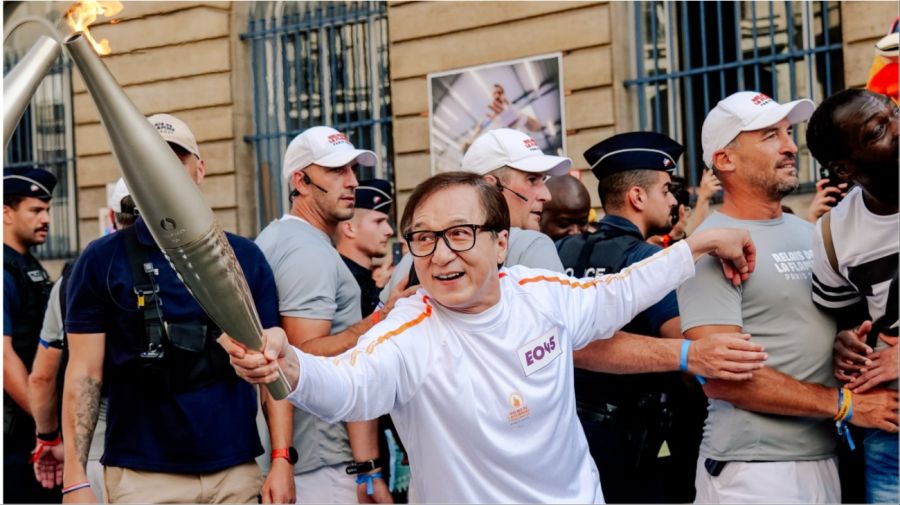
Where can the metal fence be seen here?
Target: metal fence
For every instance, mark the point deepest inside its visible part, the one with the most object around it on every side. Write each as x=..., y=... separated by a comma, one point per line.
x=317, y=63
x=689, y=55
x=44, y=139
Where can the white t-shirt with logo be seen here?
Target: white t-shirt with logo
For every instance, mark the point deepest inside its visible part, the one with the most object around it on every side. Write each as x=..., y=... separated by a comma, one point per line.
x=866, y=248
x=484, y=403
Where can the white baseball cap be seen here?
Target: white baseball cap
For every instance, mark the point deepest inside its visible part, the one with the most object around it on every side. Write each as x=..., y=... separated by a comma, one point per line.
x=175, y=131
x=326, y=147
x=747, y=111
x=505, y=147
x=114, y=198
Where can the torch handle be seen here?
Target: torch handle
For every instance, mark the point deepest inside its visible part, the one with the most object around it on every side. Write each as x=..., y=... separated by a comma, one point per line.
x=279, y=389
x=210, y=270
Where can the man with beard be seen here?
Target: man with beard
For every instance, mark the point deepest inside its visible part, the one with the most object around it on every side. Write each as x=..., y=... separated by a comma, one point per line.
x=627, y=418
x=771, y=438
x=319, y=302
x=26, y=289
x=854, y=134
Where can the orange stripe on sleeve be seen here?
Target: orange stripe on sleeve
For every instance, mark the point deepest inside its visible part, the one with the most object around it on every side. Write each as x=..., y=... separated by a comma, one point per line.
x=387, y=336
x=606, y=279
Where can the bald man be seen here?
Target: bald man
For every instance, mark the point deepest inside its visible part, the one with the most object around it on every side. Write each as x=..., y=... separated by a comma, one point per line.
x=567, y=211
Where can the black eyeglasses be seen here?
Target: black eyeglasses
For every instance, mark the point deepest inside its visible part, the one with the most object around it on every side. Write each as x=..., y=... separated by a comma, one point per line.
x=459, y=238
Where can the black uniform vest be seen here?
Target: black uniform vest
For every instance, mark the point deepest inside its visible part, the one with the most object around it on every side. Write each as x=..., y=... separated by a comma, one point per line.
x=33, y=290
x=594, y=254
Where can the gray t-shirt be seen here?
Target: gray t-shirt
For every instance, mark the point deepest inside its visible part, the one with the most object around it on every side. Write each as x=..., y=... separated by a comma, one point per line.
x=526, y=247
x=774, y=306
x=313, y=283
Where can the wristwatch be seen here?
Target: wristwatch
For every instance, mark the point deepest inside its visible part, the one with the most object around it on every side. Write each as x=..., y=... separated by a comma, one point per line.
x=288, y=453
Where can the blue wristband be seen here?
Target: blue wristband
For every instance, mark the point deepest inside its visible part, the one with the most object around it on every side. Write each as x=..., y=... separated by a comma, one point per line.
x=685, y=345
x=683, y=365
x=367, y=479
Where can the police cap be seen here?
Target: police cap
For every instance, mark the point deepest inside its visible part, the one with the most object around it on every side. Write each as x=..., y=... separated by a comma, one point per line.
x=374, y=194
x=634, y=151
x=33, y=182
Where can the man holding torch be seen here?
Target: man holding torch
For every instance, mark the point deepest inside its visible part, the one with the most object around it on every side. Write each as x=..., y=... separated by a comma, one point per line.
x=180, y=426
x=476, y=369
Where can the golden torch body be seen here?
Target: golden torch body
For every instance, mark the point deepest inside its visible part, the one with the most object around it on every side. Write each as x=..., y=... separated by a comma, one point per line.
x=23, y=80
x=181, y=222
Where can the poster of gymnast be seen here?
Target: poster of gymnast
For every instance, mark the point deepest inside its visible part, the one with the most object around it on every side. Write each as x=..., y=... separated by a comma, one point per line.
x=525, y=94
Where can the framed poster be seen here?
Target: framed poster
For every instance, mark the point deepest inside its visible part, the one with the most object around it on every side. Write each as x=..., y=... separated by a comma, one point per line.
x=524, y=94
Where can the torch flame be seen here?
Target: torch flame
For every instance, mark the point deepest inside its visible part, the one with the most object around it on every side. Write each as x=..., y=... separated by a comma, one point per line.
x=81, y=14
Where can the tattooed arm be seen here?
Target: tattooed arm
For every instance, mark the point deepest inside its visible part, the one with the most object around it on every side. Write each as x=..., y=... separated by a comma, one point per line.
x=81, y=407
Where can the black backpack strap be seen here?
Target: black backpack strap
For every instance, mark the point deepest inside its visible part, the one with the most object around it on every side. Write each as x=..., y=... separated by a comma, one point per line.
x=147, y=292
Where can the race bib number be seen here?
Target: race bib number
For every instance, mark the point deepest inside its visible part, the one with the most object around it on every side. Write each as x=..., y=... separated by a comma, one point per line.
x=540, y=352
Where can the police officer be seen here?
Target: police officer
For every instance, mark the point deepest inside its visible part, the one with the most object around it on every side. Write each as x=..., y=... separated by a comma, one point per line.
x=26, y=289
x=626, y=418
x=359, y=240
x=364, y=237
x=180, y=426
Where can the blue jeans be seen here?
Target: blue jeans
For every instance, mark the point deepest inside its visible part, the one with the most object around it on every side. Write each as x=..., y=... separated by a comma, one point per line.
x=881, y=466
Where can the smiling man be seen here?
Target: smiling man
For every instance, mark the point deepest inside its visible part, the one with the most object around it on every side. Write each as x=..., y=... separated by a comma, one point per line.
x=476, y=369
x=26, y=289
x=784, y=450
x=855, y=134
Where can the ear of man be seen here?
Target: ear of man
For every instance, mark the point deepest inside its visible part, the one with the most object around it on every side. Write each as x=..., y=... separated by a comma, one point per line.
x=723, y=162
x=348, y=228
x=297, y=182
x=636, y=197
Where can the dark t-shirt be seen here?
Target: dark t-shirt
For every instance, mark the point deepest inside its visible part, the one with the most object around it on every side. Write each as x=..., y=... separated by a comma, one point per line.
x=148, y=428
x=368, y=290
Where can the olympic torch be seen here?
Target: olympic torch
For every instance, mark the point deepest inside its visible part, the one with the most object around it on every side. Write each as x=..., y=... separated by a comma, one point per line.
x=181, y=223
x=23, y=80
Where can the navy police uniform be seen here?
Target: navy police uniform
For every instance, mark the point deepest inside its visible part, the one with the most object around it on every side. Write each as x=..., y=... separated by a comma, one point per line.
x=26, y=289
x=373, y=194
x=175, y=403
x=626, y=417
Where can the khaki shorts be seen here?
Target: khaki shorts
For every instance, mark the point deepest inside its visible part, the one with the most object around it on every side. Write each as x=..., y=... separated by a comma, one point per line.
x=238, y=484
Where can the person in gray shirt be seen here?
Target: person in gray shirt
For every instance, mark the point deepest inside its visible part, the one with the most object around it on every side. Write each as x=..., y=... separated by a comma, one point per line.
x=319, y=302
x=771, y=438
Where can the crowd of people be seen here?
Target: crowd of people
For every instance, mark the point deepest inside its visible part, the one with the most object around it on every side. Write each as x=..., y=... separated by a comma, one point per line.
x=518, y=351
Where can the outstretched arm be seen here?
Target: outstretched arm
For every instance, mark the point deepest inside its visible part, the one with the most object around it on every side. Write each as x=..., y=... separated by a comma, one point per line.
x=356, y=385
x=727, y=356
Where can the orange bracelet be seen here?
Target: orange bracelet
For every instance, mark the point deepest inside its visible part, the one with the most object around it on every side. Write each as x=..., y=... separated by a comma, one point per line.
x=42, y=445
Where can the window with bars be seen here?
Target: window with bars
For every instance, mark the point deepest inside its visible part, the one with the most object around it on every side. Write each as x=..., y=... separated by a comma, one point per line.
x=44, y=139
x=312, y=64
x=690, y=55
